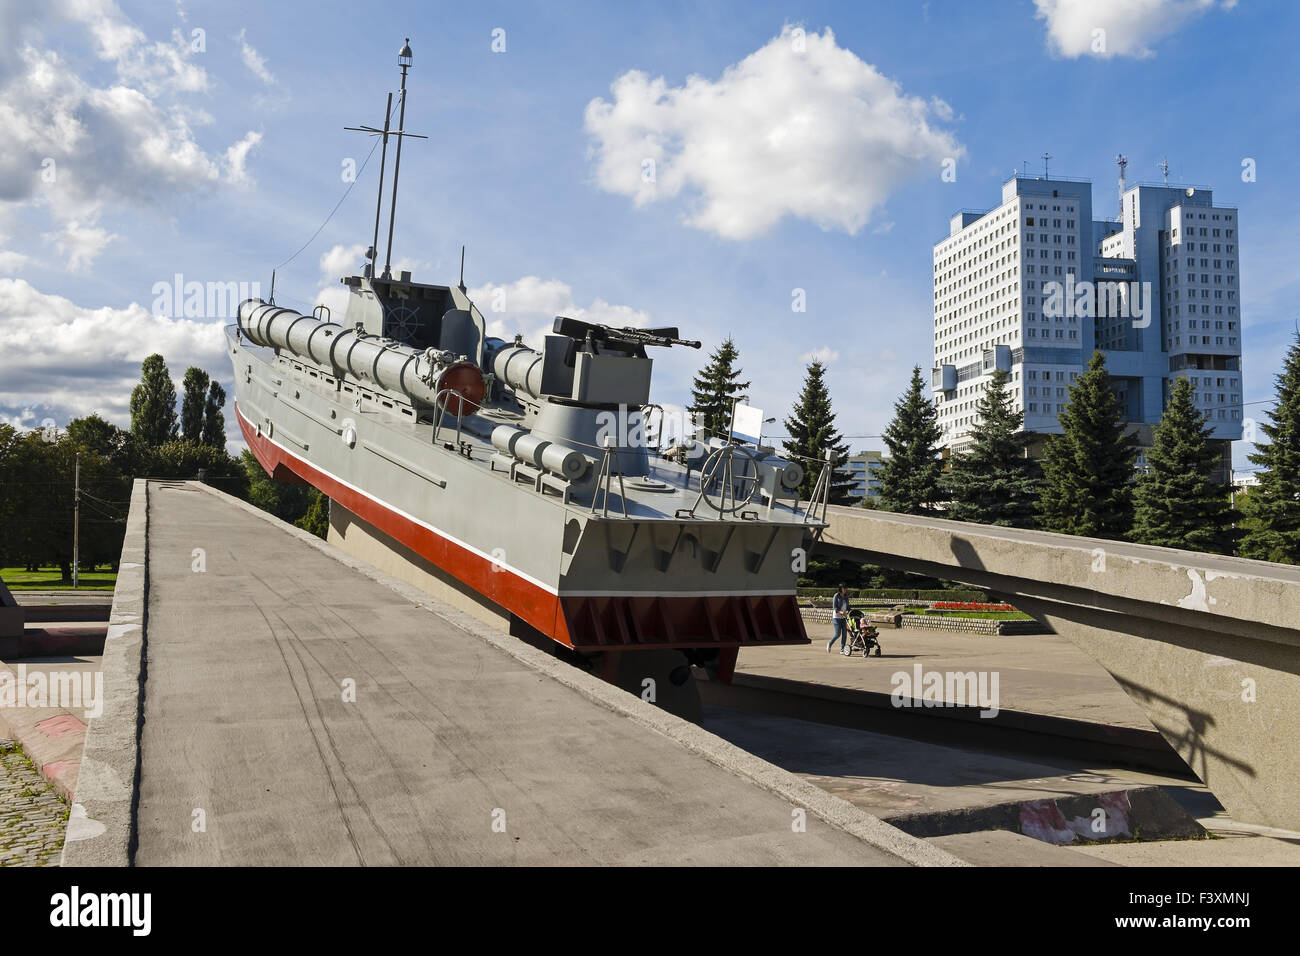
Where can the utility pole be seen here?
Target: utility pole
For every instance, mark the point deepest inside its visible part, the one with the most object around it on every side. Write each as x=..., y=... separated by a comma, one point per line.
x=76, y=525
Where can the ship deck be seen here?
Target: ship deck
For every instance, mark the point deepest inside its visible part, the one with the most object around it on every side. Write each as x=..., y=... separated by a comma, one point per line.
x=677, y=491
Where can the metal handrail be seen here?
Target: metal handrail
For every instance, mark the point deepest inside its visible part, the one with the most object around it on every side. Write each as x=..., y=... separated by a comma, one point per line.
x=441, y=401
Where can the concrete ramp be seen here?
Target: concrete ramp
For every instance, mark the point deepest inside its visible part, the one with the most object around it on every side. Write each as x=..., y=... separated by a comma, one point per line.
x=1207, y=646
x=299, y=711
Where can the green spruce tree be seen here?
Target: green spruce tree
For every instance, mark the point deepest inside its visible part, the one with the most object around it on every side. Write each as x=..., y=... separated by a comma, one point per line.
x=995, y=482
x=153, y=404
x=1088, y=469
x=1273, y=506
x=214, y=423
x=909, y=477
x=714, y=390
x=194, y=390
x=1176, y=502
x=813, y=434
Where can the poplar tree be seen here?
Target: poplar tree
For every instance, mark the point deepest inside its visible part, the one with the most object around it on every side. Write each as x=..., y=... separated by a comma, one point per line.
x=995, y=482
x=1177, y=502
x=214, y=423
x=1087, y=470
x=813, y=434
x=1272, y=507
x=714, y=389
x=153, y=404
x=909, y=477
x=194, y=390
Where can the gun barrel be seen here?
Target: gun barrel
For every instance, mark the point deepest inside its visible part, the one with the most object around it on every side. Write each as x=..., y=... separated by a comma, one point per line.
x=649, y=338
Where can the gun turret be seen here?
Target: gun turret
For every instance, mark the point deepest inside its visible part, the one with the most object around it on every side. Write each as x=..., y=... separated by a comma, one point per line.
x=623, y=340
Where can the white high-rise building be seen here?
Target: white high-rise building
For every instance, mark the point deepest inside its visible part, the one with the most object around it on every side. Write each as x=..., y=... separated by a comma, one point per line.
x=1034, y=285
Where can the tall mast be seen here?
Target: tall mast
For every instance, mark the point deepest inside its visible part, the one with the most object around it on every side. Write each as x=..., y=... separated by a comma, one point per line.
x=404, y=61
x=379, y=200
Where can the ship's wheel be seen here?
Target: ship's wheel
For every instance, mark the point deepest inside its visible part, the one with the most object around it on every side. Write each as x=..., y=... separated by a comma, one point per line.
x=726, y=486
x=401, y=323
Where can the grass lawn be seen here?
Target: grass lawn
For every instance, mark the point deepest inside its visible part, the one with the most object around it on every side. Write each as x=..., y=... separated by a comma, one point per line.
x=50, y=579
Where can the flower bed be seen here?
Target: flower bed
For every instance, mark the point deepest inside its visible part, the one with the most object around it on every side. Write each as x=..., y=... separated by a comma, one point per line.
x=969, y=606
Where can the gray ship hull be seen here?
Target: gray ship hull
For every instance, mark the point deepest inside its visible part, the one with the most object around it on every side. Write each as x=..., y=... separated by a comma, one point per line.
x=586, y=576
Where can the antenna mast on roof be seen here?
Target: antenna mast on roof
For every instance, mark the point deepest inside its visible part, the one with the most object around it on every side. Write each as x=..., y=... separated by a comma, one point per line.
x=1122, y=162
x=1164, y=168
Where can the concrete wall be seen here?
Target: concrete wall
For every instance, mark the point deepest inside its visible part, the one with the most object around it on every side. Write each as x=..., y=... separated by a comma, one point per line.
x=1207, y=646
x=12, y=617
x=366, y=543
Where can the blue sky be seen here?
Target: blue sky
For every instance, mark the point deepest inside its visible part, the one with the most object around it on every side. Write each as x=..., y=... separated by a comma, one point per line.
x=778, y=169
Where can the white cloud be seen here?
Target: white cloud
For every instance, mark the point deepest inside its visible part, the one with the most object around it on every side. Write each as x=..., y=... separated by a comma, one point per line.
x=254, y=60
x=237, y=159
x=12, y=261
x=342, y=260
x=81, y=243
x=61, y=355
x=826, y=355
x=528, y=306
x=802, y=127
x=76, y=146
x=336, y=262
x=1110, y=28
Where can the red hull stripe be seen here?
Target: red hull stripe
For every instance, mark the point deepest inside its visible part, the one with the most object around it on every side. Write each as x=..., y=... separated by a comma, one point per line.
x=517, y=594
x=541, y=606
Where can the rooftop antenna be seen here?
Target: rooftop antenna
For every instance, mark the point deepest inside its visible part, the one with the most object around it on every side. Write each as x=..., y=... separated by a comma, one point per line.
x=461, y=286
x=1164, y=168
x=1045, y=157
x=1024, y=168
x=404, y=61
x=1122, y=162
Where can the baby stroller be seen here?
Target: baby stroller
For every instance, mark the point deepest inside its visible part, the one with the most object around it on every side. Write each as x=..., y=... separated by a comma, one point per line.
x=862, y=636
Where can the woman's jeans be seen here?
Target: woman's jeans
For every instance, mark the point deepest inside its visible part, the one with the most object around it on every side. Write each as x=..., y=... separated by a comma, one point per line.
x=841, y=631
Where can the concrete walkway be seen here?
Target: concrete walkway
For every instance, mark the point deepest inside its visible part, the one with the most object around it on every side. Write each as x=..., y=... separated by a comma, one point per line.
x=52, y=735
x=1037, y=673
x=299, y=712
